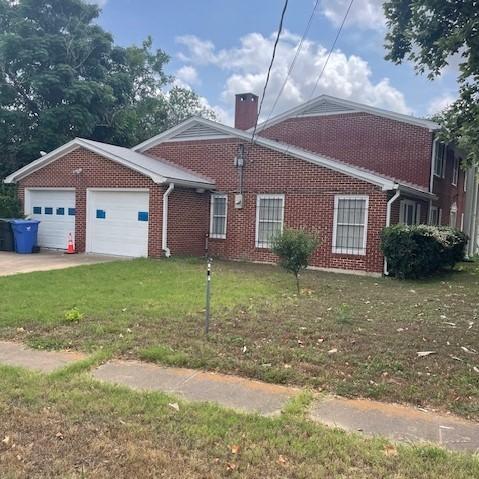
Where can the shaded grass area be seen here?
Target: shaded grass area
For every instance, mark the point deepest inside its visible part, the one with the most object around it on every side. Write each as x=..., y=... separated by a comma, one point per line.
x=72, y=426
x=349, y=335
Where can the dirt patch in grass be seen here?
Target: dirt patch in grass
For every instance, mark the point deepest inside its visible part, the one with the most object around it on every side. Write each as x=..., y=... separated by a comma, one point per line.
x=77, y=428
x=349, y=335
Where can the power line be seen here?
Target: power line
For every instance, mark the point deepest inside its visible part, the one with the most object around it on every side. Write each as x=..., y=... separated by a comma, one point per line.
x=332, y=48
x=298, y=51
x=280, y=29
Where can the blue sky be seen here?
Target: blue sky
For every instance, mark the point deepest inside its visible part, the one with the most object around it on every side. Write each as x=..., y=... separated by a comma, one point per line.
x=222, y=47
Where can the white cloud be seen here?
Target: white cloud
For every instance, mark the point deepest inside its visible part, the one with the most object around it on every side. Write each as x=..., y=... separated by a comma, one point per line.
x=246, y=65
x=441, y=103
x=188, y=75
x=365, y=14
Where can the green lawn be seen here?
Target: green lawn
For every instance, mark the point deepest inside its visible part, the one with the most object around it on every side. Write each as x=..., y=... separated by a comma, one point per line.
x=345, y=334
x=69, y=426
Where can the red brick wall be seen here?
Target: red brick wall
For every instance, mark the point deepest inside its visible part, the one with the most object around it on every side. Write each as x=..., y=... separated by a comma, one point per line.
x=389, y=147
x=97, y=172
x=309, y=199
x=448, y=193
x=188, y=221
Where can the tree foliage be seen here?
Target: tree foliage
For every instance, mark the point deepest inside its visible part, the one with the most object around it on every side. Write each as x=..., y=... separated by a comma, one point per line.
x=294, y=249
x=62, y=76
x=431, y=33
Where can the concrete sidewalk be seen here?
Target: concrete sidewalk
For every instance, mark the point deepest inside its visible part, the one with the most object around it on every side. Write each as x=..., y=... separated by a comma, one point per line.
x=14, y=354
x=229, y=391
x=395, y=422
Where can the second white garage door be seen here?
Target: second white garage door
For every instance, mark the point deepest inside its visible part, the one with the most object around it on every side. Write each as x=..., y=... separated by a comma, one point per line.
x=117, y=222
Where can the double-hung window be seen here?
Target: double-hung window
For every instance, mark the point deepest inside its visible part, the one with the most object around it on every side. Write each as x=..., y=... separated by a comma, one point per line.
x=218, y=214
x=453, y=216
x=350, y=224
x=455, y=172
x=440, y=160
x=409, y=212
x=269, y=219
x=434, y=216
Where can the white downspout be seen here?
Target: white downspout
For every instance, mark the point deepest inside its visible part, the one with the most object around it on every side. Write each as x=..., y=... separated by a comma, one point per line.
x=388, y=221
x=164, y=229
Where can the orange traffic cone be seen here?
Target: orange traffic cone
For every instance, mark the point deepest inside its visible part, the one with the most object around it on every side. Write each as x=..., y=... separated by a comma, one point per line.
x=70, y=245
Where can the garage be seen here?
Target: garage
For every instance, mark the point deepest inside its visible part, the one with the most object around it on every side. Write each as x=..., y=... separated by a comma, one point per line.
x=55, y=208
x=117, y=222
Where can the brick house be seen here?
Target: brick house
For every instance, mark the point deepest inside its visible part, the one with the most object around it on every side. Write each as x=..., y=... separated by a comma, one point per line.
x=342, y=169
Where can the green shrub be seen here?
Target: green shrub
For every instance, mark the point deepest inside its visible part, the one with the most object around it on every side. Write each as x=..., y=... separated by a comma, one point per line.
x=421, y=250
x=10, y=206
x=294, y=249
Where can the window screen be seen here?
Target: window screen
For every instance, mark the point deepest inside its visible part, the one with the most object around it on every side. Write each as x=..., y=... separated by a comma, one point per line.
x=269, y=218
x=350, y=224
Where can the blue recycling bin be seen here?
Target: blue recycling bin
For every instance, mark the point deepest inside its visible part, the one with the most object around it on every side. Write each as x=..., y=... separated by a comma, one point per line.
x=25, y=234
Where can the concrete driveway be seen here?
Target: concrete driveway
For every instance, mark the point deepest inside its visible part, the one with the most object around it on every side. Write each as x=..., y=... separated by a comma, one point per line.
x=12, y=263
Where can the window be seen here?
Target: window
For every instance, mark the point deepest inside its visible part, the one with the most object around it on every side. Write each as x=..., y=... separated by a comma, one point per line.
x=37, y=210
x=142, y=215
x=71, y=211
x=434, y=216
x=350, y=224
x=409, y=212
x=100, y=214
x=48, y=210
x=219, y=207
x=60, y=211
x=453, y=216
x=269, y=218
x=455, y=171
x=440, y=159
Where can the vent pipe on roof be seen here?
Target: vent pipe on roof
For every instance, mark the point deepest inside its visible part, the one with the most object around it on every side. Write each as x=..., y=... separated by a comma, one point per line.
x=164, y=229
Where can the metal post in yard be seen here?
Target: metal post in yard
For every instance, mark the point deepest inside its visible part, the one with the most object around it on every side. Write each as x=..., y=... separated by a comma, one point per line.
x=208, y=295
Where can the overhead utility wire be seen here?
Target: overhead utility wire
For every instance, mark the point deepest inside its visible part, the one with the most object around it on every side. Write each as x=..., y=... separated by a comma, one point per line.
x=280, y=29
x=291, y=67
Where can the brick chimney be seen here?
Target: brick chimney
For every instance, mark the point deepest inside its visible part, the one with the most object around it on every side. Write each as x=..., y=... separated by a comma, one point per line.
x=246, y=110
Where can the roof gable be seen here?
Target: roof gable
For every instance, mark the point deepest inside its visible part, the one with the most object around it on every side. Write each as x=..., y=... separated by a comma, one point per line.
x=155, y=168
x=328, y=105
x=224, y=131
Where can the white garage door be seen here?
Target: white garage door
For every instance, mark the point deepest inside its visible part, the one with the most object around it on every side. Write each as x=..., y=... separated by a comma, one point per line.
x=56, y=211
x=118, y=222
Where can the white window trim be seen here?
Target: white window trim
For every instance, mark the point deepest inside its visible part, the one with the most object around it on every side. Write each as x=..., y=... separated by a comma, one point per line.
x=442, y=173
x=436, y=209
x=455, y=172
x=213, y=196
x=417, y=211
x=352, y=251
x=452, y=210
x=258, y=201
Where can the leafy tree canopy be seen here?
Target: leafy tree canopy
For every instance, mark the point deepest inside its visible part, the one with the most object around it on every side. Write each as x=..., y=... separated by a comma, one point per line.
x=429, y=33
x=62, y=76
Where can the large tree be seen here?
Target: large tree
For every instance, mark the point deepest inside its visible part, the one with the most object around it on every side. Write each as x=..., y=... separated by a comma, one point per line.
x=62, y=76
x=430, y=33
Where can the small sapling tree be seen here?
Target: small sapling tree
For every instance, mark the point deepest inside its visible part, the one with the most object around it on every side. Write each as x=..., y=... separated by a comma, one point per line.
x=294, y=249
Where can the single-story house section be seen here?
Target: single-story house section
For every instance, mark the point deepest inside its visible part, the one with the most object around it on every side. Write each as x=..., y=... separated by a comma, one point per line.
x=205, y=187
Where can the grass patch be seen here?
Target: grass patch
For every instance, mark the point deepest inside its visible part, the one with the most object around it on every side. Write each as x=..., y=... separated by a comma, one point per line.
x=350, y=335
x=76, y=427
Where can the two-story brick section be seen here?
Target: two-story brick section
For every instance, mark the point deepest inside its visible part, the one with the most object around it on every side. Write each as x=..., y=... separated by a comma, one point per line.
x=336, y=167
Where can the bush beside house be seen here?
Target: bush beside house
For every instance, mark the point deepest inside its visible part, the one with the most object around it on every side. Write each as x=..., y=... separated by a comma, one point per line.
x=10, y=206
x=421, y=250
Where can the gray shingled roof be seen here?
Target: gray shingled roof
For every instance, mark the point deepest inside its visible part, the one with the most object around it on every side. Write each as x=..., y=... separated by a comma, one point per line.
x=157, y=166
